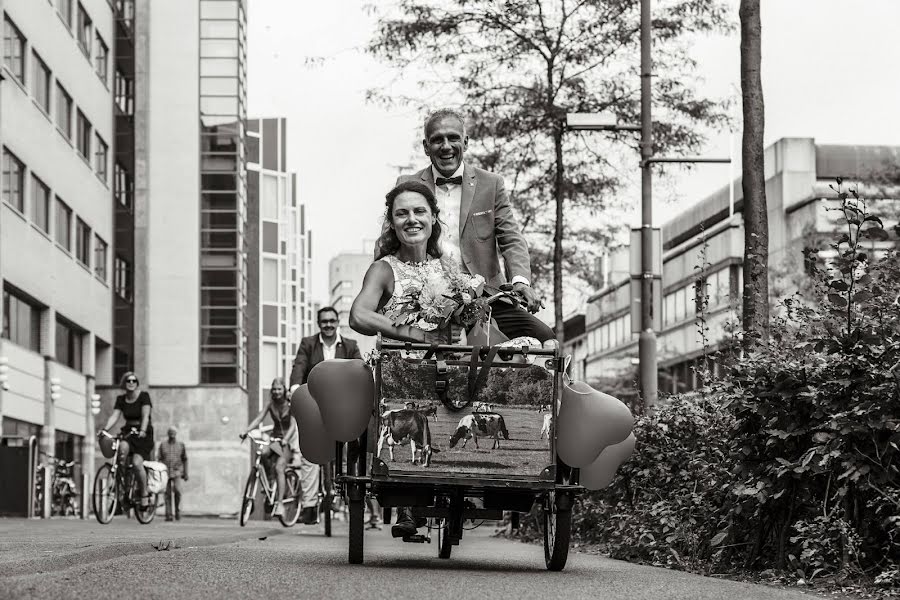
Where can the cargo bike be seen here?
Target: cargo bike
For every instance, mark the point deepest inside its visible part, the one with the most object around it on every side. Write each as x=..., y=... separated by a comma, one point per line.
x=482, y=444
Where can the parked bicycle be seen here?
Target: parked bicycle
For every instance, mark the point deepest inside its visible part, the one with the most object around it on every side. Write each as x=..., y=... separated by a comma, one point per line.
x=115, y=487
x=259, y=477
x=63, y=492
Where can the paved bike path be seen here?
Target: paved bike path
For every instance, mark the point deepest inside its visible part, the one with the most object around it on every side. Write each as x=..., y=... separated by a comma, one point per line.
x=30, y=546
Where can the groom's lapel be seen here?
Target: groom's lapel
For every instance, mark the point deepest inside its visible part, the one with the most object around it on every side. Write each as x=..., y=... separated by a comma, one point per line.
x=468, y=194
x=427, y=177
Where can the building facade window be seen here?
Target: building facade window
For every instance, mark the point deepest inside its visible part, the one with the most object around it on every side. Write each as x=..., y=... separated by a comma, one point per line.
x=101, y=157
x=124, y=89
x=83, y=131
x=68, y=344
x=64, y=111
x=14, y=49
x=21, y=321
x=122, y=281
x=100, y=251
x=63, y=225
x=123, y=187
x=40, y=203
x=82, y=242
x=101, y=59
x=65, y=11
x=125, y=12
x=40, y=83
x=19, y=431
x=85, y=30
x=13, y=181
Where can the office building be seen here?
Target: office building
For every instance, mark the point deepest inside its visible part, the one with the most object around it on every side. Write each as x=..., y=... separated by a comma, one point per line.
x=280, y=246
x=57, y=218
x=345, y=276
x=705, y=245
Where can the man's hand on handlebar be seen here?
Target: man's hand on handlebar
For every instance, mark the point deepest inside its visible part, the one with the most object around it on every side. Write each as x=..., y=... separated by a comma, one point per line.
x=243, y=435
x=529, y=297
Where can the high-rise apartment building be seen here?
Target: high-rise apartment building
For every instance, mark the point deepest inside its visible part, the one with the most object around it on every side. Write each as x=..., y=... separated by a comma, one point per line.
x=345, y=276
x=280, y=248
x=58, y=227
x=190, y=248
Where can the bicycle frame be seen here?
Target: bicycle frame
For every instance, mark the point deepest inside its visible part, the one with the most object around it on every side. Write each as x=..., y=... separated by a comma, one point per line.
x=262, y=477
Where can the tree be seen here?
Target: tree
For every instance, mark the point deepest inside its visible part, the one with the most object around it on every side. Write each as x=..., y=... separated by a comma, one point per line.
x=756, y=225
x=518, y=66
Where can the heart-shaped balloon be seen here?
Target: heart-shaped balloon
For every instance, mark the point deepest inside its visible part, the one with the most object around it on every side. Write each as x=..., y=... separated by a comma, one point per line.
x=316, y=445
x=345, y=391
x=589, y=421
x=600, y=473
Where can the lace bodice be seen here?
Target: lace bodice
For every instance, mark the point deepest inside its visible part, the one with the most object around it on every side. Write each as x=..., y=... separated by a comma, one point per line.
x=409, y=278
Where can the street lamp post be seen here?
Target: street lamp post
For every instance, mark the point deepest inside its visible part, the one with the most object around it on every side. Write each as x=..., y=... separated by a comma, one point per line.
x=594, y=122
x=647, y=337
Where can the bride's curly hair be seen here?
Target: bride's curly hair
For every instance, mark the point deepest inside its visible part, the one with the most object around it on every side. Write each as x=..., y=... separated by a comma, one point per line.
x=388, y=243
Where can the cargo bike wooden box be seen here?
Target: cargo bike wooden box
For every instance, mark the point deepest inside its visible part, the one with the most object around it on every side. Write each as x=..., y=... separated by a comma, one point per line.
x=462, y=433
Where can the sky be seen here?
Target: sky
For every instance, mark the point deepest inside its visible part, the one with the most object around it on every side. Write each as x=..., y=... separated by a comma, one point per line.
x=829, y=72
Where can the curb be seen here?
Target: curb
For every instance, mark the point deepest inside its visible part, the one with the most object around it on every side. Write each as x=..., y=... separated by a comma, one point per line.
x=103, y=552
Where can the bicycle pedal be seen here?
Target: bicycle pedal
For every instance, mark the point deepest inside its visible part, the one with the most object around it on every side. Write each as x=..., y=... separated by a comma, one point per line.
x=414, y=539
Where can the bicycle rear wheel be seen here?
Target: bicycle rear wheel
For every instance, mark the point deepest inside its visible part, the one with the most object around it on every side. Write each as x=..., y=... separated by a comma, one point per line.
x=290, y=504
x=248, y=498
x=105, y=496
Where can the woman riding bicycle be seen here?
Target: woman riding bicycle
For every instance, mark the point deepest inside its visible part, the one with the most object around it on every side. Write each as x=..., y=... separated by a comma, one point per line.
x=278, y=454
x=137, y=432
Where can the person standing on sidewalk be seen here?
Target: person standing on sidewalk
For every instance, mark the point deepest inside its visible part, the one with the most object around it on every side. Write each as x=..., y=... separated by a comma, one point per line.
x=173, y=454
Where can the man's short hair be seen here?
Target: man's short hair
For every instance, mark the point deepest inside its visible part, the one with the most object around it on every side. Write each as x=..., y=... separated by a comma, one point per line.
x=325, y=309
x=442, y=113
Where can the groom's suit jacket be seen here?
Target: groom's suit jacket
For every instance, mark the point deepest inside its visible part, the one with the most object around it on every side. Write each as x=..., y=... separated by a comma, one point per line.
x=310, y=353
x=487, y=227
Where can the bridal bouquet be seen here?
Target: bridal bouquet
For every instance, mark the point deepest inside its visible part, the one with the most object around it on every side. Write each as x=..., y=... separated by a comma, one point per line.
x=441, y=299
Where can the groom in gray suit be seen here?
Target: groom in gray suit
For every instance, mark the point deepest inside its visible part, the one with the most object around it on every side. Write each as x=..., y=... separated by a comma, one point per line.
x=481, y=226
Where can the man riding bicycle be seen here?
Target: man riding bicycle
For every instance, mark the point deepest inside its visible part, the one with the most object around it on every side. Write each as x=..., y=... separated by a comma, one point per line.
x=278, y=454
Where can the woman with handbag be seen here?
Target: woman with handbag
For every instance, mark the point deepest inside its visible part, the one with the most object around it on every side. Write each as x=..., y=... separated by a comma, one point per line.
x=134, y=406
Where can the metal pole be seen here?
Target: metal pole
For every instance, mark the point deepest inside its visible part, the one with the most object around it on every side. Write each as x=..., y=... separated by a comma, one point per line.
x=647, y=339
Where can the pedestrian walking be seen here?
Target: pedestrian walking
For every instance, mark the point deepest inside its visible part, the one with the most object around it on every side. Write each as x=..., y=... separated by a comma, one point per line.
x=173, y=454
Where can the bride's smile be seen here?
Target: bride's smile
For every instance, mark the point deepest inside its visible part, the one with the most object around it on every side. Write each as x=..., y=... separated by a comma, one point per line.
x=412, y=221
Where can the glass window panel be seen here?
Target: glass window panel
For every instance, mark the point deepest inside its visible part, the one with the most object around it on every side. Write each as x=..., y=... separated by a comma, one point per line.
x=40, y=84
x=218, y=9
x=13, y=180
x=14, y=49
x=219, y=201
x=218, y=278
x=218, y=67
x=219, y=375
x=218, y=105
x=219, y=239
x=270, y=237
x=221, y=317
x=219, y=162
x=100, y=250
x=63, y=111
x=270, y=280
x=219, y=86
x=218, y=49
x=270, y=144
x=84, y=31
x=218, y=182
x=219, y=220
x=270, y=320
x=269, y=200
x=40, y=203
x=220, y=297
x=63, y=225
x=218, y=336
x=82, y=242
x=219, y=356
x=219, y=29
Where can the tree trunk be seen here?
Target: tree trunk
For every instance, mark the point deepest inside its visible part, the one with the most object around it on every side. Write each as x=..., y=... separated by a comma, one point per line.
x=558, y=193
x=756, y=225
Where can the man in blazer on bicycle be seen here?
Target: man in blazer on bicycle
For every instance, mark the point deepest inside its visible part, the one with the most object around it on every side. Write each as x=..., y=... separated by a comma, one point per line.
x=328, y=344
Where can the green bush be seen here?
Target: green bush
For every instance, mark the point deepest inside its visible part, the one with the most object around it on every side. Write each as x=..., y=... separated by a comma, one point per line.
x=790, y=460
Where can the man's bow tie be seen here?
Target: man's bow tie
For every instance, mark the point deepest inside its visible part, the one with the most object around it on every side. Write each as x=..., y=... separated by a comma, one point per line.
x=449, y=180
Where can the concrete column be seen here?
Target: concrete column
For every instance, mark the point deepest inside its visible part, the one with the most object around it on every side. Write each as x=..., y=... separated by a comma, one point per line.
x=88, y=451
x=47, y=442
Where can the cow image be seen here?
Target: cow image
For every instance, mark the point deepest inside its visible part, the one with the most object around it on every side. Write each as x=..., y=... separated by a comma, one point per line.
x=488, y=425
x=402, y=425
x=544, y=408
x=482, y=407
x=548, y=424
x=429, y=409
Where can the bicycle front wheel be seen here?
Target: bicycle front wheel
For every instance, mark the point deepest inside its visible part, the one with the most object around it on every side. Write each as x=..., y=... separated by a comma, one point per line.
x=144, y=513
x=105, y=495
x=291, y=502
x=248, y=498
